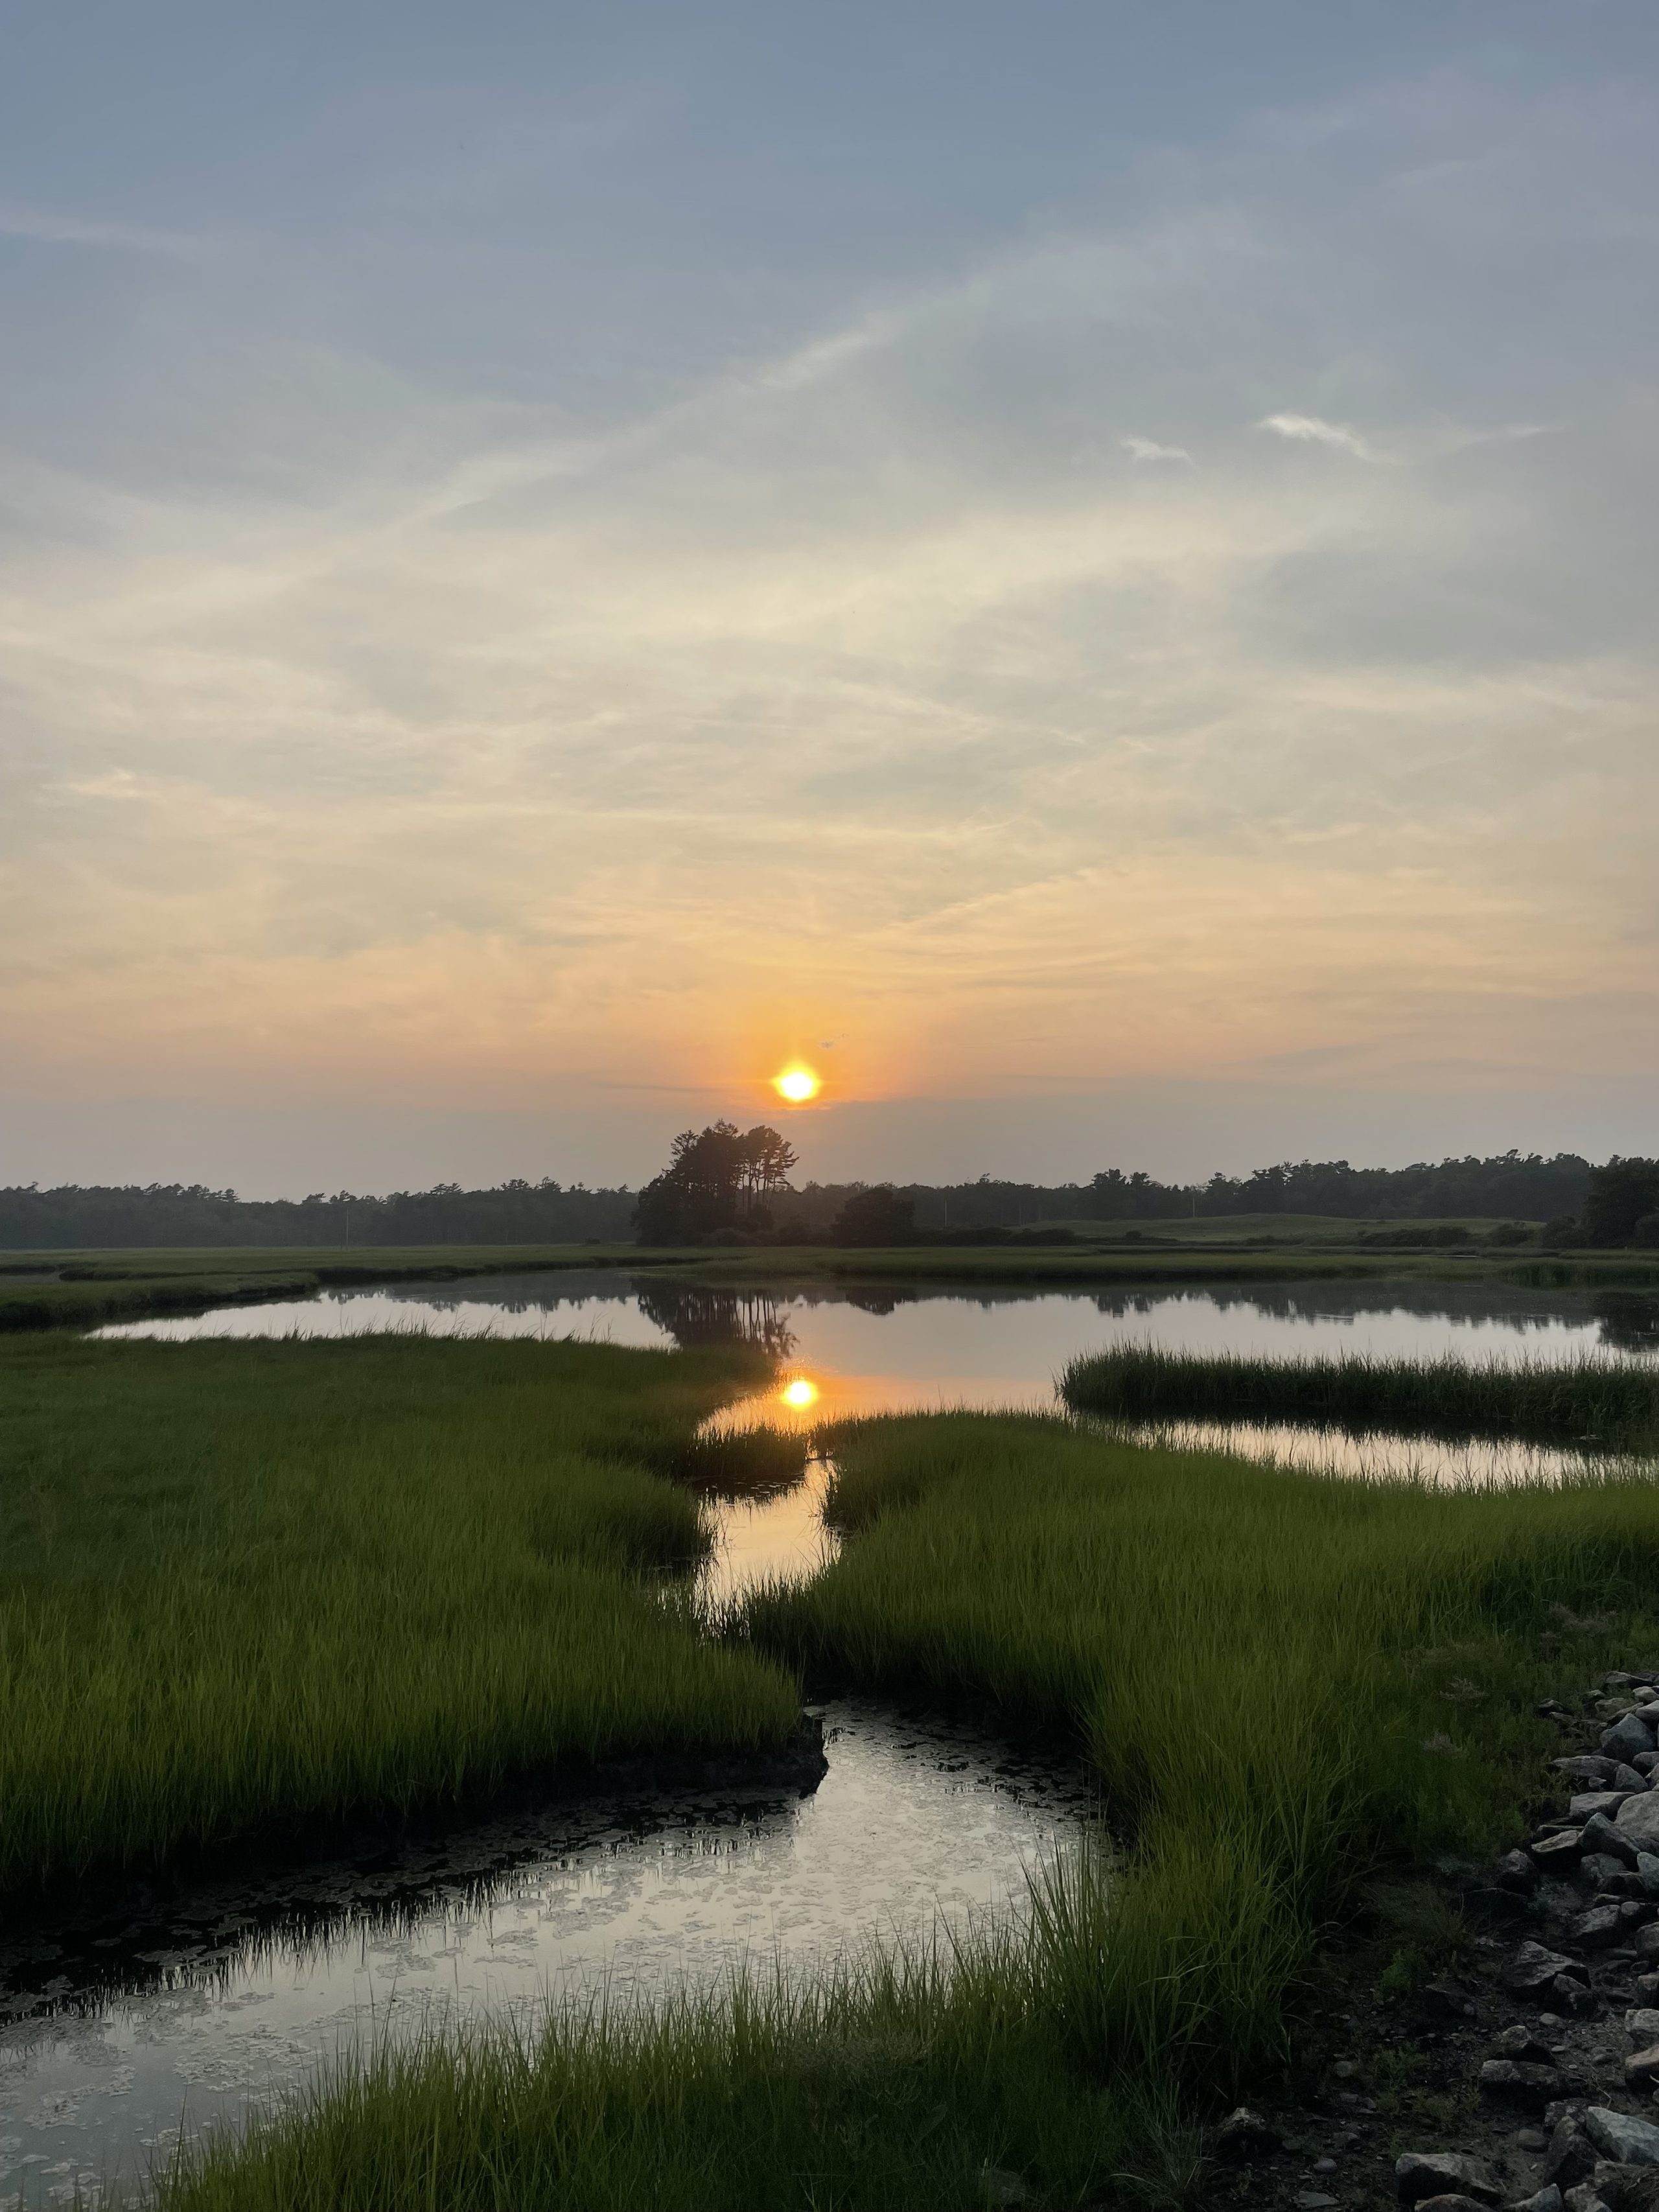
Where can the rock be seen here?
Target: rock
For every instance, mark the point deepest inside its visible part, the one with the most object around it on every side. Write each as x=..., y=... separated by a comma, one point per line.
x=1517, y=1872
x=1444, y=2001
x=1598, y=1930
x=1451, y=2203
x=1601, y=1835
x=1628, y=1778
x=1420, y=2175
x=1597, y=1801
x=1642, y=2023
x=1520, y=2042
x=1627, y=1738
x=1645, y=1761
x=1647, y=1872
x=1515, y=2081
x=1533, y=1967
x=1586, y=2198
x=1588, y=1767
x=1646, y=1941
x=1642, y=2067
x=1313, y=2200
x=1570, y=2158
x=1552, y=1854
x=1548, y=2199
x=1530, y=2139
x=1245, y=2134
x=1569, y=1991
x=1597, y=1869
x=1626, y=2141
x=1638, y=1818
x=1626, y=2188
x=1324, y=2166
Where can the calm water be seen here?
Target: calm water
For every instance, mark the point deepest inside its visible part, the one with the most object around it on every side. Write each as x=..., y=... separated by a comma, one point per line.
x=852, y=1350
x=112, y=2038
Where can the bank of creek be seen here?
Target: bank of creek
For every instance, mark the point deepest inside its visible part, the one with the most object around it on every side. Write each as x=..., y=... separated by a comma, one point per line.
x=185, y=2007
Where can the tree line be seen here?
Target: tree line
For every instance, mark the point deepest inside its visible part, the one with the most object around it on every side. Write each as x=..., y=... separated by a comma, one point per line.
x=723, y=1181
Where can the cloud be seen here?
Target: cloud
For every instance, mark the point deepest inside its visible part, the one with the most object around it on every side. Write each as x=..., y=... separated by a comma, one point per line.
x=1148, y=449
x=1313, y=430
x=45, y=228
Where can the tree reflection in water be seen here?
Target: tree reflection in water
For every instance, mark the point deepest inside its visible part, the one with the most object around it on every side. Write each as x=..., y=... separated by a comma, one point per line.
x=699, y=1313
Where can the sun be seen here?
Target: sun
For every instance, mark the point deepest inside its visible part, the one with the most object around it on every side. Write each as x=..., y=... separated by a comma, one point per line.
x=800, y=1393
x=797, y=1083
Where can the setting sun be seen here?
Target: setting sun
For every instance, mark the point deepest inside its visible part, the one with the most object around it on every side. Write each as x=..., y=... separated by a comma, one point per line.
x=797, y=1084
x=800, y=1393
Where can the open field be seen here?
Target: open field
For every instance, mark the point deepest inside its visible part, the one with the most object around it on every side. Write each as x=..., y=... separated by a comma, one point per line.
x=1592, y=1401
x=281, y=1582
x=1283, y=1681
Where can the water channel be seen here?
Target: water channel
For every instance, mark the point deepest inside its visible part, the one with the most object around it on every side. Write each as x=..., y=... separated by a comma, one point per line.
x=114, y=2036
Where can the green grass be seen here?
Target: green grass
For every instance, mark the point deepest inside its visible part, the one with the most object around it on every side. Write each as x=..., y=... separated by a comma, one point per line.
x=1578, y=1401
x=77, y=1289
x=282, y=1582
x=56, y=1290
x=1285, y=1682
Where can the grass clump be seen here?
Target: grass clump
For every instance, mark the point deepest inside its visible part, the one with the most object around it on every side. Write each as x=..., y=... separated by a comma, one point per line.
x=285, y=1581
x=1580, y=1400
x=754, y=1463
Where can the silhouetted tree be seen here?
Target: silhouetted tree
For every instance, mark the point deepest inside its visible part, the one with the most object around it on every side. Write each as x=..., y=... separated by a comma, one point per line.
x=1621, y=1195
x=716, y=1178
x=878, y=1216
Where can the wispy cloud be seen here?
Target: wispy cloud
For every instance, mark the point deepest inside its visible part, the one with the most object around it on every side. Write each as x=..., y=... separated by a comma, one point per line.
x=1314, y=430
x=48, y=228
x=1148, y=449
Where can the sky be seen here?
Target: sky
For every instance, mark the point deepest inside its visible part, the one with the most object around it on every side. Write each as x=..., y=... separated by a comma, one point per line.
x=1087, y=570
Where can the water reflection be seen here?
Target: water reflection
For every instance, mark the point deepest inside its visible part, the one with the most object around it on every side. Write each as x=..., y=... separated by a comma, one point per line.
x=113, y=2034
x=899, y=1348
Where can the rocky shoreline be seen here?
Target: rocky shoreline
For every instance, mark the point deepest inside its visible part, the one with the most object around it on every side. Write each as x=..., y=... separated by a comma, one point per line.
x=1541, y=2051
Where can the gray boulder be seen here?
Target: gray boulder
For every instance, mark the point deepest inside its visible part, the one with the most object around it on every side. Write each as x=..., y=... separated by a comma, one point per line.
x=1556, y=1854
x=1533, y=1967
x=1621, y=2138
x=1627, y=1778
x=1601, y=1834
x=1638, y=1818
x=1642, y=2024
x=1546, y=2199
x=1642, y=2067
x=1423, y=2175
x=1596, y=1800
x=1517, y=2081
x=1627, y=1737
x=1588, y=1767
x=1598, y=1930
x=1571, y=2157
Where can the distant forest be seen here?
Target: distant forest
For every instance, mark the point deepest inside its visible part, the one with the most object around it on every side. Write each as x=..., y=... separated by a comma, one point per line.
x=1511, y=1186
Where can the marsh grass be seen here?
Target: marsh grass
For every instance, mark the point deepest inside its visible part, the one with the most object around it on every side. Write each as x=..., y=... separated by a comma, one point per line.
x=289, y=1581
x=892, y=2079
x=754, y=1463
x=1289, y=1686
x=1581, y=1400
